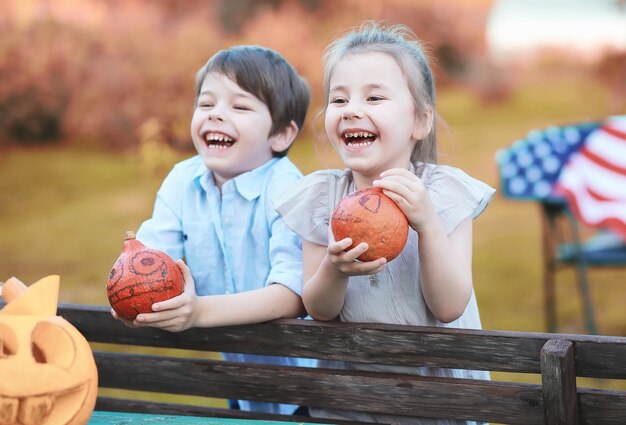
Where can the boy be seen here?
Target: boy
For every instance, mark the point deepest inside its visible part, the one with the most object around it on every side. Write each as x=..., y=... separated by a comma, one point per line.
x=214, y=209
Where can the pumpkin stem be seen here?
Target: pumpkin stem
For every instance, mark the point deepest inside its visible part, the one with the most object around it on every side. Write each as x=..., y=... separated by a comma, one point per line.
x=130, y=235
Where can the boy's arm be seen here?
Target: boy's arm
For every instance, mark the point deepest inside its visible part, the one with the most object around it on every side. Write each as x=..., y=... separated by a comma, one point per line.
x=188, y=310
x=163, y=230
x=260, y=305
x=284, y=245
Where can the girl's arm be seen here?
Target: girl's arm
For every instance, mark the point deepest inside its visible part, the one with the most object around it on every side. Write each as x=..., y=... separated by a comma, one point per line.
x=189, y=310
x=446, y=269
x=326, y=271
x=445, y=260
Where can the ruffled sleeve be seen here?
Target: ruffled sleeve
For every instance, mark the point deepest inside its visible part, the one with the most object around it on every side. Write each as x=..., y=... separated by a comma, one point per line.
x=455, y=194
x=306, y=206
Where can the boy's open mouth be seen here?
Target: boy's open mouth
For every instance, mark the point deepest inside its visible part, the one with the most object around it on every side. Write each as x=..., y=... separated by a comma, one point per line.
x=358, y=139
x=217, y=140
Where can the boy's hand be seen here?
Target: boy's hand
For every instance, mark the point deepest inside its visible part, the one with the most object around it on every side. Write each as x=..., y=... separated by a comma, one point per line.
x=345, y=262
x=409, y=193
x=128, y=323
x=176, y=314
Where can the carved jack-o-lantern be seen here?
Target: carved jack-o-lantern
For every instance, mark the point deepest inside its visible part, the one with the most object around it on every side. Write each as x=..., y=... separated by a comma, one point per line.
x=47, y=372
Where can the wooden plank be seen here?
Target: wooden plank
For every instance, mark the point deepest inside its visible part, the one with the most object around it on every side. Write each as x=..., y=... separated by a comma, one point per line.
x=601, y=407
x=117, y=418
x=559, y=383
x=142, y=406
x=374, y=392
x=601, y=357
x=597, y=356
x=366, y=343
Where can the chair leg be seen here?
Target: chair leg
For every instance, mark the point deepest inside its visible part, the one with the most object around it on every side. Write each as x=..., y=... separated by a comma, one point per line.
x=549, y=297
x=549, y=232
x=581, y=272
x=585, y=298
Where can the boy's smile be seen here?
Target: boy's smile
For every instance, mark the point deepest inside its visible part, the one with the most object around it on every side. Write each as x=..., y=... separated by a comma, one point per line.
x=217, y=140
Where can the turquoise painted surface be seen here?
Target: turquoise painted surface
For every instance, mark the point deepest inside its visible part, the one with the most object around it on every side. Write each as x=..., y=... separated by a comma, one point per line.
x=119, y=418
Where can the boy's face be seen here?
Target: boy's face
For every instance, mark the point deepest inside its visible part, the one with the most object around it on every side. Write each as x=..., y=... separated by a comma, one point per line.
x=230, y=128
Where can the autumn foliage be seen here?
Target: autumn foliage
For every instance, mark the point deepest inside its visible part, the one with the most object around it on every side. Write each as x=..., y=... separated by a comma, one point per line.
x=94, y=72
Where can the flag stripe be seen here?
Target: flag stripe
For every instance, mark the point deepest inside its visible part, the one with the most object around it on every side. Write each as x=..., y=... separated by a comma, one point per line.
x=615, y=132
x=616, y=223
x=580, y=171
x=607, y=146
x=601, y=161
x=597, y=196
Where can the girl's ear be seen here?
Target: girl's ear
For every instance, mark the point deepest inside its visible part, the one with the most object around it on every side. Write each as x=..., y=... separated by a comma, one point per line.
x=423, y=124
x=285, y=137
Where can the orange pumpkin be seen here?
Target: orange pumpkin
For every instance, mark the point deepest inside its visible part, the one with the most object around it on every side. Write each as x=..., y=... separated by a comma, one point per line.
x=47, y=372
x=141, y=277
x=368, y=215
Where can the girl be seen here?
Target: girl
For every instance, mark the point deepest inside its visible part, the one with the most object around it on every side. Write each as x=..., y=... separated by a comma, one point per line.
x=379, y=118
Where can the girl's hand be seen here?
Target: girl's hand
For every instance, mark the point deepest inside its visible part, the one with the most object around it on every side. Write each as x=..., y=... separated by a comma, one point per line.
x=409, y=193
x=346, y=262
x=176, y=314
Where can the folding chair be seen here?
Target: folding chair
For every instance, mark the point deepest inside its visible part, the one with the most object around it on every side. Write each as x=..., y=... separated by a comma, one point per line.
x=563, y=246
x=533, y=169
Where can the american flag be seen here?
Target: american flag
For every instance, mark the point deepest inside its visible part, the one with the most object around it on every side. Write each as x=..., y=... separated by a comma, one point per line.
x=583, y=163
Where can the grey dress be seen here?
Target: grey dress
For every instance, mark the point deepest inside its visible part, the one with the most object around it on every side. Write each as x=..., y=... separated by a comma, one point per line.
x=393, y=295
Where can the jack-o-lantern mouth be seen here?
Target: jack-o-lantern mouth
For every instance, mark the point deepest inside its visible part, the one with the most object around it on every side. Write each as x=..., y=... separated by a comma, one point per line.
x=43, y=409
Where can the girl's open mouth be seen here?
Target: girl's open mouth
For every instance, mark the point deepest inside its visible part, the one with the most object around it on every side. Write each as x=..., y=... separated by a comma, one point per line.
x=217, y=140
x=358, y=139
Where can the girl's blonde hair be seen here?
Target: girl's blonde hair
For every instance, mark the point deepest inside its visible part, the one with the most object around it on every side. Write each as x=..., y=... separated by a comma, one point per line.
x=399, y=42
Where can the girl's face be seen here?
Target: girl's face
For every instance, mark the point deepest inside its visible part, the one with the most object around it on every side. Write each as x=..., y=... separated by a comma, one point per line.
x=230, y=128
x=371, y=118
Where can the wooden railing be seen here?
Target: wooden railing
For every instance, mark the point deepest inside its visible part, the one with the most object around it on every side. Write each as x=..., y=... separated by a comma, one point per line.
x=558, y=358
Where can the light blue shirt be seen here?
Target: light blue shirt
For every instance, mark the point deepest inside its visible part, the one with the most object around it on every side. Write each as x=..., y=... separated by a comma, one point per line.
x=233, y=240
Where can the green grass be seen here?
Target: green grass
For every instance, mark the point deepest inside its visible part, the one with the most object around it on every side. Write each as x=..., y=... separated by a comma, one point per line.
x=65, y=210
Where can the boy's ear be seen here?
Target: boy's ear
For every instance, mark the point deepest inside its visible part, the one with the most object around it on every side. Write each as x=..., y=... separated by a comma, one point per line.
x=285, y=137
x=423, y=124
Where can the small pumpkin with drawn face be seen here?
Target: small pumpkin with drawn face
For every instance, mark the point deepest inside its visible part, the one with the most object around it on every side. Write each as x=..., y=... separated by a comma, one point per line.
x=140, y=277
x=47, y=371
x=368, y=215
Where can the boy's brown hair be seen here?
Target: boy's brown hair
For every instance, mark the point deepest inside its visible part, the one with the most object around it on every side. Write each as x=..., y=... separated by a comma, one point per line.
x=265, y=74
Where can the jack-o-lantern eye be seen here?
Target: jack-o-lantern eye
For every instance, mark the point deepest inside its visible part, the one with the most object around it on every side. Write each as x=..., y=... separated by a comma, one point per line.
x=8, y=341
x=51, y=344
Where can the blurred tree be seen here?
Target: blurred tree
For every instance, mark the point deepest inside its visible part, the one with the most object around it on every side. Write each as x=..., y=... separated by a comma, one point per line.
x=234, y=15
x=611, y=70
x=33, y=91
x=97, y=70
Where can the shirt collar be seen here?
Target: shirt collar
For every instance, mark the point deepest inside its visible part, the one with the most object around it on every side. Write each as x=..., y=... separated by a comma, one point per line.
x=248, y=184
x=251, y=183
